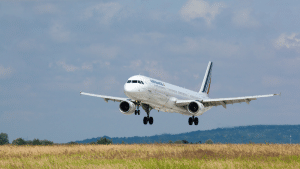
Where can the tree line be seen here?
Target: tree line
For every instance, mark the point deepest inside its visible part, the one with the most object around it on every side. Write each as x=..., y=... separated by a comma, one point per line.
x=20, y=141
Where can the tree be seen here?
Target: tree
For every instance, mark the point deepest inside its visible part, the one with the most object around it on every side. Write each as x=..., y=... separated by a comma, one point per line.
x=36, y=142
x=209, y=141
x=3, y=139
x=170, y=142
x=185, y=142
x=19, y=141
x=104, y=140
x=72, y=143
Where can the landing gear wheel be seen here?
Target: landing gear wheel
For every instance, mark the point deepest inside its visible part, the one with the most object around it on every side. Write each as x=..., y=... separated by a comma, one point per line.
x=145, y=120
x=190, y=121
x=138, y=112
x=135, y=112
x=196, y=121
x=151, y=120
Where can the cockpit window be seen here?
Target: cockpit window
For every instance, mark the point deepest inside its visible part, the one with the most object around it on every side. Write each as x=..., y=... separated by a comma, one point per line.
x=135, y=81
x=140, y=82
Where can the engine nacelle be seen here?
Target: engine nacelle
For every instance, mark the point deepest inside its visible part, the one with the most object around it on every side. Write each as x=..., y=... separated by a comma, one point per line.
x=127, y=107
x=195, y=107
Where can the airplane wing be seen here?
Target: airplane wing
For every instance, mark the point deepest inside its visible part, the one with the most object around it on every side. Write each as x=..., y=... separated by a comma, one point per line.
x=225, y=101
x=106, y=98
x=183, y=102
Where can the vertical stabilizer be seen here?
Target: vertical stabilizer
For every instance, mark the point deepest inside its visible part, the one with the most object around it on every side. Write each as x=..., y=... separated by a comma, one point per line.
x=207, y=79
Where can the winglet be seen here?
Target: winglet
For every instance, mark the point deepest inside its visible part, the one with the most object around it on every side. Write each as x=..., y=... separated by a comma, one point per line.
x=278, y=94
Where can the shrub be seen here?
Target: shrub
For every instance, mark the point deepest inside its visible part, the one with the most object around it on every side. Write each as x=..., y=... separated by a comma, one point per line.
x=209, y=141
x=46, y=142
x=29, y=142
x=178, y=142
x=93, y=142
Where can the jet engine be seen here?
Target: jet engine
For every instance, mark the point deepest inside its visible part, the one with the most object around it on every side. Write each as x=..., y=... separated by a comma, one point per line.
x=127, y=107
x=195, y=107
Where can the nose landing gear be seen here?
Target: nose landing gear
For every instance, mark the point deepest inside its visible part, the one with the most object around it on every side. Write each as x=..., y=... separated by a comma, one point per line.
x=137, y=111
x=193, y=119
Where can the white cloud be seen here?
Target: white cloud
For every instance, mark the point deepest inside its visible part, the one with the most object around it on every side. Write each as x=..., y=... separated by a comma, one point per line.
x=103, y=11
x=4, y=72
x=275, y=81
x=101, y=64
x=72, y=68
x=152, y=67
x=144, y=38
x=46, y=8
x=200, y=9
x=291, y=41
x=58, y=33
x=87, y=66
x=68, y=68
x=135, y=64
x=100, y=50
x=289, y=65
x=109, y=83
x=89, y=83
x=196, y=46
x=30, y=44
x=242, y=18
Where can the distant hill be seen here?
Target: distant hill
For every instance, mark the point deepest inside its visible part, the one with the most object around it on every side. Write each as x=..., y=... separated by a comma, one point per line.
x=242, y=134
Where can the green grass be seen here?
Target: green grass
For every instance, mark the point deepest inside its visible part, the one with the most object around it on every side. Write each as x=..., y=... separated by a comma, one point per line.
x=151, y=156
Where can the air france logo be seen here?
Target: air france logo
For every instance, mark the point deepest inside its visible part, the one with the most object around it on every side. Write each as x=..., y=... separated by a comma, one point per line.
x=159, y=83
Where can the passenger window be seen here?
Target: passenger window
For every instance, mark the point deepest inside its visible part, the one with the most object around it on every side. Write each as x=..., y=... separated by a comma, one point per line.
x=134, y=81
x=129, y=81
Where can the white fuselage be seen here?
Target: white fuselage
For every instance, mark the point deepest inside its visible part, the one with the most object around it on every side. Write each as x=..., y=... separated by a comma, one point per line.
x=160, y=95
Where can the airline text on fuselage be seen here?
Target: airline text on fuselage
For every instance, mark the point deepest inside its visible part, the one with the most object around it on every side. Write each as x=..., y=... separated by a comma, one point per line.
x=159, y=83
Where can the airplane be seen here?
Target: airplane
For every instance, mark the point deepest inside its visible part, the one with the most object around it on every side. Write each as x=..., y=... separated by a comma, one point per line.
x=150, y=93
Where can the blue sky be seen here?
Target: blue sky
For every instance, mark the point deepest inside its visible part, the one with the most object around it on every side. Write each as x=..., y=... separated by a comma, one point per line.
x=51, y=50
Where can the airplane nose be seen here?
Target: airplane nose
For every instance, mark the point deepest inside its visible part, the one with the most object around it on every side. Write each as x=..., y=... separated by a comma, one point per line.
x=126, y=88
x=130, y=88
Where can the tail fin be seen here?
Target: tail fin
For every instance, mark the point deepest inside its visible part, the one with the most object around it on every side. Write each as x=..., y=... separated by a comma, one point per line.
x=207, y=79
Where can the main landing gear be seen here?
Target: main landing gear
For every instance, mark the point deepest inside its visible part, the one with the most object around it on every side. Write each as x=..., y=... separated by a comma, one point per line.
x=147, y=118
x=193, y=119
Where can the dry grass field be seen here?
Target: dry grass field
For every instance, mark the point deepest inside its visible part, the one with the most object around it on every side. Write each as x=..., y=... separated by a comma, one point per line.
x=152, y=156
